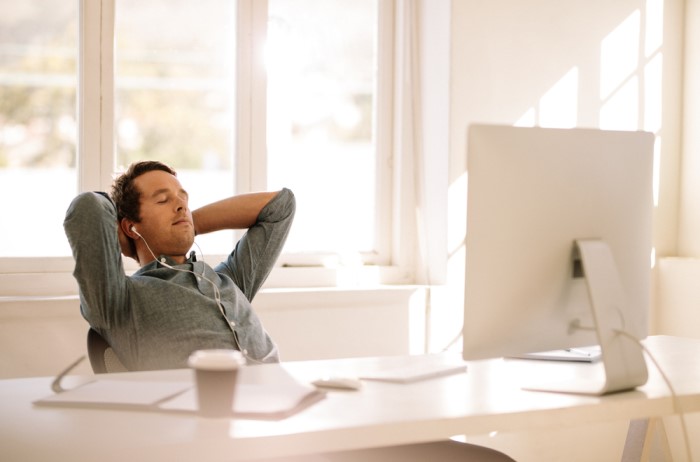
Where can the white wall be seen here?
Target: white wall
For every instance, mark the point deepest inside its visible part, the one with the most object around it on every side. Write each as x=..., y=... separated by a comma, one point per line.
x=679, y=292
x=556, y=63
x=40, y=336
x=548, y=62
x=679, y=299
x=689, y=233
x=340, y=323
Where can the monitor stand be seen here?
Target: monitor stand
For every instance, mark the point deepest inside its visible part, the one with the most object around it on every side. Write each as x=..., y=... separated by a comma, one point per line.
x=622, y=358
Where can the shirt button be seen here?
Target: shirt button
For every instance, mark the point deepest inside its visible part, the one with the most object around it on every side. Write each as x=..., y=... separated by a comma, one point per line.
x=233, y=323
x=163, y=260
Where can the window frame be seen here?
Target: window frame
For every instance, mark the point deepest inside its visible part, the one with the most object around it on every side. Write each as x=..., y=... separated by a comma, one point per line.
x=50, y=276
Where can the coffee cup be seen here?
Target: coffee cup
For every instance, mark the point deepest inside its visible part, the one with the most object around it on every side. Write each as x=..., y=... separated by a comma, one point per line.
x=215, y=374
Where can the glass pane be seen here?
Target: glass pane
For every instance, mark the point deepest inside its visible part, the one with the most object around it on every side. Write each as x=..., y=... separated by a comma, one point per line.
x=321, y=63
x=175, y=94
x=38, y=128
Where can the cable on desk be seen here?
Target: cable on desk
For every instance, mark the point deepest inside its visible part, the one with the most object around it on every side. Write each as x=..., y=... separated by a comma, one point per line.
x=676, y=402
x=56, y=384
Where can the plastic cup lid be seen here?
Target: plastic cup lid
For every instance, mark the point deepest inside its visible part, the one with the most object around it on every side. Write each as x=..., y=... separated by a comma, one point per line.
x=216, y=360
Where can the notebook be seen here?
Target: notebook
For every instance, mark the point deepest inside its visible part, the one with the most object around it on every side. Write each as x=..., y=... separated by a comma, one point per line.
x=269, y=394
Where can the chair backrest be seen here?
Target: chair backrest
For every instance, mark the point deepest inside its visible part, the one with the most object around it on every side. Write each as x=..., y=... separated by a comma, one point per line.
x=103, y=359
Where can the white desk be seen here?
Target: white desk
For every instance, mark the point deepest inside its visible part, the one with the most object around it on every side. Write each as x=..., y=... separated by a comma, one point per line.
x=485, y=399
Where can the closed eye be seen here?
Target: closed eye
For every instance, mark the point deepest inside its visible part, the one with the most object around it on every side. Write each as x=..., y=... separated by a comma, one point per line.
x=163, y=196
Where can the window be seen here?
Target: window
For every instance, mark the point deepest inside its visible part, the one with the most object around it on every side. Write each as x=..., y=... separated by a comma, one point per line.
x=321, y=99
x=237, y=96
x=38, y=124
x=174, y=95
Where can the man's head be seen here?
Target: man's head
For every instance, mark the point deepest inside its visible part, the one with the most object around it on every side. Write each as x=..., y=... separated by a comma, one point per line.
x=126, y=196
x=153, y=211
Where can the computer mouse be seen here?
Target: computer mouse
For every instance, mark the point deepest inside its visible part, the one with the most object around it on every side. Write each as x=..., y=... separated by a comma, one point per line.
x=337, y=382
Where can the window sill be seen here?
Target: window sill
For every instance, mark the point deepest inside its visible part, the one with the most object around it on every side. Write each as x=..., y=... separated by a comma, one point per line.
x=59, y=282
x=267, y=302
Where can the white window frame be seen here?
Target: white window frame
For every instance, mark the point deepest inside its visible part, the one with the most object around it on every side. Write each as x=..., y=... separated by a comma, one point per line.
x=52, y=276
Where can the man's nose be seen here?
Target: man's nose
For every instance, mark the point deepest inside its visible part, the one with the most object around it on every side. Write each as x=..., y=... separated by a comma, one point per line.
x=181, y=204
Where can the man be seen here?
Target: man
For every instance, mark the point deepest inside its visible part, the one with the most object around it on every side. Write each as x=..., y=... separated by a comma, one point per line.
x=173, y=304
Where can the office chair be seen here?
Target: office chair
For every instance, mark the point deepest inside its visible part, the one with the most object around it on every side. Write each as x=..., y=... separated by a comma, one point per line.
x=102, y=356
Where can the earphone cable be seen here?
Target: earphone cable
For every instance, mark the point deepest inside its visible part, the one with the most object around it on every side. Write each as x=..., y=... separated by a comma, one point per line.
x=217, y=298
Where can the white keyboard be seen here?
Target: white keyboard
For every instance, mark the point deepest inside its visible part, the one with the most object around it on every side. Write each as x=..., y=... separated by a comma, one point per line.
x=418, y=368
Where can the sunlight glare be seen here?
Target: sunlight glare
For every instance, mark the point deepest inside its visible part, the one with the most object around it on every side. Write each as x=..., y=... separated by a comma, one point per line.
x=653, y=94
x=457, y=207
x=653, y=26
x=657, y=170
x=619, y=55
x=527, y=119
x=621, y=111
x=559, y=106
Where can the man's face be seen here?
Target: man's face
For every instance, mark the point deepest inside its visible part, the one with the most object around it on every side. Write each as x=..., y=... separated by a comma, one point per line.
x=166, y=219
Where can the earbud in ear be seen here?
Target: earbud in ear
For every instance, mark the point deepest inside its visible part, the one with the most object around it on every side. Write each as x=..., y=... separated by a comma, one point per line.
x=133, y=229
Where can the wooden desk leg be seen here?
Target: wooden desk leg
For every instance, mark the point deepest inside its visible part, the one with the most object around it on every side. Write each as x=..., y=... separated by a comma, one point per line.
x=646, y=442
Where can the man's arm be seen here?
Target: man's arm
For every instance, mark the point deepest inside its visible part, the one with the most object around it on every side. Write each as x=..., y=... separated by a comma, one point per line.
x=91, y=229
x=237, y=212
x=257, y=251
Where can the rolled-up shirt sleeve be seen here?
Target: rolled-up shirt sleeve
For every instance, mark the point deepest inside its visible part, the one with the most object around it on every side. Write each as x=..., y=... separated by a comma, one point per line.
x=257, y=251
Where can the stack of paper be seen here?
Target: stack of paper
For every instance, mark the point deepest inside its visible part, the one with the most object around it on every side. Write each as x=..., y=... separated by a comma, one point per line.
x=260, y=394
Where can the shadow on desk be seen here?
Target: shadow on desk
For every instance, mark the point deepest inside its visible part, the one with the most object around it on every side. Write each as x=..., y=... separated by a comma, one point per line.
x=442, y=451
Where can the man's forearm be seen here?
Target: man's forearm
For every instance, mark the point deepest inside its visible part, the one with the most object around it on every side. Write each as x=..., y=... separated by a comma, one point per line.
x=237, y=212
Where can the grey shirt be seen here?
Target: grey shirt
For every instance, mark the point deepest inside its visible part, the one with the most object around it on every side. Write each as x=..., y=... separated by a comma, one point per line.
x=156, y=317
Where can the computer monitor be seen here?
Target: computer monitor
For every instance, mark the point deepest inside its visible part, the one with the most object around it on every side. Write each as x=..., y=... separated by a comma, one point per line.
x=558, y=246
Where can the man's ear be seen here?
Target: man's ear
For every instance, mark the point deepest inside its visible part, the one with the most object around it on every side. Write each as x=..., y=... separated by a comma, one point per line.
x=126, y=226
x=127, y=242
